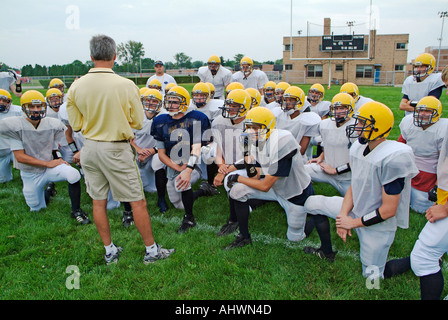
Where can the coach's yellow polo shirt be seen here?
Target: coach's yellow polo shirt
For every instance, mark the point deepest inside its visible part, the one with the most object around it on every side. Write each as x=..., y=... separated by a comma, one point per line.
x=104, y=106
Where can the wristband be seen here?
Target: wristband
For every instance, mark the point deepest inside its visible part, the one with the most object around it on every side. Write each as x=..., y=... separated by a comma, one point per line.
x=250, y=170
x=192, y=161
x=343, y=169
x=155, y=150
x=73, y=147
x=413, y=103
x=56, y=154
x=19, y=88
x=372, y=218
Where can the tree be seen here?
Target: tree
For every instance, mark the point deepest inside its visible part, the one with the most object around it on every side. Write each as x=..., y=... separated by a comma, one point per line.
x=130, y=53
x=182, y=60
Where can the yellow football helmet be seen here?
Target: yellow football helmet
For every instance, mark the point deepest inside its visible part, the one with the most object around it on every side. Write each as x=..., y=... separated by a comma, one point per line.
x=237, y=104
x=269, y=89
x=351, y=89
x=57, y=83
x=200, y=88
x=422, y=117
x=155, y=84
x=279, y=90
x=424, y=59
x=255, y=96
x=32, y=99
x=5, y=101
x=341, y=100
x=233, y=85
x=213, y=63
x=142, y=91
x=246, y=65
x=212, y=90
x=295, y=93
x=152, y=100
x=259, y=116
x=374, y=120
x=169, y=86
x=316, y=93
x=54, y=98
x=177, y=100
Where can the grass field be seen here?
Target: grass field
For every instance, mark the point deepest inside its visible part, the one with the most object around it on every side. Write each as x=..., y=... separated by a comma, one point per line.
x=39, y=251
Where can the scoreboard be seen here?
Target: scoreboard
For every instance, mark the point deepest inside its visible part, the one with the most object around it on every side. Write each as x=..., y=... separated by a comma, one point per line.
x=348, y=42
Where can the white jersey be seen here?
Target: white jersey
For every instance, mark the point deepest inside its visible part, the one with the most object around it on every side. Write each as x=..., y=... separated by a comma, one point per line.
x=304, y=125
x=387, y=162
x=417, y=90
x=442, y=166
x=227, y=135
x=336, y=144
x=426, y=144
x=257, y=79
x=211, y=109
x=164, y=80
x=220, y=80
x=362, y=100
x=143, y=137
x=322, y=108
x=14, y=111
x=37, y=142
x=272, y=105
x=280, y=144
x=57, y=115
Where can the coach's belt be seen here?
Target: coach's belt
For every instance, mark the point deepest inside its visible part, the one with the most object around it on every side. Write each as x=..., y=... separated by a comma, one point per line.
x=109, y=141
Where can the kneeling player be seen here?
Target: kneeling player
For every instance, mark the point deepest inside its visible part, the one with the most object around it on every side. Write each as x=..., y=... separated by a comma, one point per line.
x=34, y=141
x=274, y=171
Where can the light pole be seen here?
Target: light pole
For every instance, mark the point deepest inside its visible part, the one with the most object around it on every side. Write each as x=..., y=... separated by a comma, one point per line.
x=350, y=25
x=443, y=15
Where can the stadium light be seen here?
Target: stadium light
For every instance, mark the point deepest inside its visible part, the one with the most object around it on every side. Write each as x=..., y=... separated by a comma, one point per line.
x=443, y=15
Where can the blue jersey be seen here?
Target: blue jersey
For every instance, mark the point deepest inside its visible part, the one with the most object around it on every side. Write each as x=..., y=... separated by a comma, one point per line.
x=179, y=135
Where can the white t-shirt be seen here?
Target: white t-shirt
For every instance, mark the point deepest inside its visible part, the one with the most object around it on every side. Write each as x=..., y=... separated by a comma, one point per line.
x=257, y=79
x=164, y=80
x=220, y=80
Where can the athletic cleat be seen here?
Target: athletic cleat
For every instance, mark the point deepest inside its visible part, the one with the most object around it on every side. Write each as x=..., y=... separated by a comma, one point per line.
x=186, y=224
x=208, y=189
x=163, y=206
x=239, y=242
x=318, y=252
x=50, y=191
x=80, y=216
x=228, y=228
x=161, y=254
x=113, y=258
x=128, y=219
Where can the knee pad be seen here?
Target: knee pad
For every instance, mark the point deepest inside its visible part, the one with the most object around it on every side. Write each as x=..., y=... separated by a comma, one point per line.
x=240, y=192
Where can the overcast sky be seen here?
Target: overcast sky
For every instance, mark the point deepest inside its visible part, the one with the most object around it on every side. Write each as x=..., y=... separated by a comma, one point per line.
x=57, y=32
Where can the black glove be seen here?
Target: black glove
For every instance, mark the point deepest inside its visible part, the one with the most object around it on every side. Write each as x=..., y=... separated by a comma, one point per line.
x=432, y=194
x=231, y=180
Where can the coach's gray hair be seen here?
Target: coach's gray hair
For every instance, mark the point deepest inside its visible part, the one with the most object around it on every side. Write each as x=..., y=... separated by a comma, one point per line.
x=445, y=74
x=102, y=47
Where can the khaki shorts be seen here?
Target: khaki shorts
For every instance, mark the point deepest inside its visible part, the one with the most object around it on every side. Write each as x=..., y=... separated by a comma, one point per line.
x=111, y=165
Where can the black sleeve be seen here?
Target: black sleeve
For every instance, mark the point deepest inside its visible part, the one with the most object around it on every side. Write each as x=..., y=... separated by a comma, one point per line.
x=283, y=166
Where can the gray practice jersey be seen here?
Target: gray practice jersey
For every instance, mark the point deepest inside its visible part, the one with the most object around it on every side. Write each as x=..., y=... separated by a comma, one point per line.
x=322, y=108
x=280, y=144
x=417, y=90
x=14, y=111
x=220, y=80
x=227, y=136
x=442, y=166
x=211, y=109
x=36, y=142
x=387, y=162
x=425, y=144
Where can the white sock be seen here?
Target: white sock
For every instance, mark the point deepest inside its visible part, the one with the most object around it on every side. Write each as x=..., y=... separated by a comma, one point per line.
x=111, y=249
x=152, y=250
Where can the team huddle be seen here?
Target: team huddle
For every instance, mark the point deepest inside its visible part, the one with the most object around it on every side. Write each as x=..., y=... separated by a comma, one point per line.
x=263, y=142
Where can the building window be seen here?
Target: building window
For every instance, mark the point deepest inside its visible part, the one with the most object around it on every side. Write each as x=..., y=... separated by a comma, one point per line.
x=400, y=46
x=314, y=71
x=339, y=67
x=288, y=66
x=364, y=71
x=289, y=47
x=399, y=67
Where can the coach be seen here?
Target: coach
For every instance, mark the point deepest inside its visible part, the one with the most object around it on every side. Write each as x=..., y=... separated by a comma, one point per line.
x=106, y=107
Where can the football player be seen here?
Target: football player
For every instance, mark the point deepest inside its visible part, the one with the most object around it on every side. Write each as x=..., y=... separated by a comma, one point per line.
x=424, y=132
x=57, y=83
x=332, y=165
x=302, y=125
x=179, y=138
x=250, y=77
x=377, y=201
x=274, y=171
x=233, y=85
x=279, y=91
x=268, y=93
x=217, y=75
x=34, y=141
x=423, y=82
x=353, y=90
x=7, y=109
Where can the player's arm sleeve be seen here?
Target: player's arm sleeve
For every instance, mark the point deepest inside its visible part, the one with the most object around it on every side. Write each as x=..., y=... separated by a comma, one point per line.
x=283, y=166
x=436, y=92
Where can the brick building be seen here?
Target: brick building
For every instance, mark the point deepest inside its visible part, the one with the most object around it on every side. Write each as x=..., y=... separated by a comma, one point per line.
x=382, y=60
